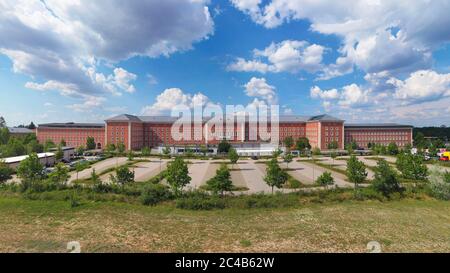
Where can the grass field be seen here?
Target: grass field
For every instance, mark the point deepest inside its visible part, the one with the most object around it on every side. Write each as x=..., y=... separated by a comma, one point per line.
x=400, y=226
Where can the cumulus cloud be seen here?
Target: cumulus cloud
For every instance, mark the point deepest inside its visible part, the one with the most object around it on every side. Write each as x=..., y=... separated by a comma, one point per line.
x=349, y=96
x=383, y=35
x=61, y=44
x=259, y=88
x=174, y=98
x=424, y=85
x=287, y=56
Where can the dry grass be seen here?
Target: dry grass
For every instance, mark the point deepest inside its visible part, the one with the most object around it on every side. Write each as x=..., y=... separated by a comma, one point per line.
x=400, y=226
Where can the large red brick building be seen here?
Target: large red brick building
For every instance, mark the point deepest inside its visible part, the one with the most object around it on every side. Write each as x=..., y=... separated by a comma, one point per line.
x=74, y=134
x=136, y=132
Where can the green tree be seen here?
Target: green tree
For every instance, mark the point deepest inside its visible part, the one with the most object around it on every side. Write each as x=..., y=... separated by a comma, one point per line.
x=275, y=176
x=34, y=147
x=90, y=143
x=288, y=143
x=145, y=151
x=4, y=135
x=63, y=143
x=110, y=148
x=59, y=155
x=49, y=144
x=288, y=158
x=333, y=145
x=233, y=156
x=419, y=141
x=60, y=175
x=412, y=166
x=166, y=151
x=349, y=148
x=325, y=180
x=80, y=166
x=121, y=147
x=302, y=145
x=224, y=147
x=81, y=150
x=386, y=180
x=356, y=171
x=433, y=151
x=316, y=152
x=2, y=122
x=5, y=172
x=123, y=176
x=221, y=182
x=333, y=155
x=130, y=155
x=31, y=126
x=392, y=148
x=30, y=171
x=178, y=175
x=15, y=147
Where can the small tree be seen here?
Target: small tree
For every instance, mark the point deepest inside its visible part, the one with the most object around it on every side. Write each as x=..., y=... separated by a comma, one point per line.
x=111, y=148
x=316, y=152
x=288, y=143
x=90, y=143
x=222, y=181
x=49, y=144
x=277, y=153
x=2, y=122
x=123, y=176
x=130, y=155
x=59, y=155
x=166, y=151
x=440, y=184
x=275, y=176
x=63, y=143
x=60, y=175
x=392, y=148
x=81, y=150
x=325, y=180
x=30, y=171
x=224, y=147
x=386, y=180
x=333, y=156
x=356, y=171
x=145, y=151
x=349, y=149
x=233, y=156
x=412, y=166
x=302, y=144
x=5, y=172
x=121, y=147
x=288, y=158
x=333, y=145
x=95, y=178
x=80, y=166
x=178, y=175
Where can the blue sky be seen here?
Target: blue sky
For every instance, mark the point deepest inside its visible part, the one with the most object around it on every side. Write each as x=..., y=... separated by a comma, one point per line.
x=62, y=62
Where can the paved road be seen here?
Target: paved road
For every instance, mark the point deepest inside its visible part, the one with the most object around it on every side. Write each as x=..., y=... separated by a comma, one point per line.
x=201, y=171
x=253, y=176
x=342, y=165
x=147, y=170
x=309, y=172
x=99, y=167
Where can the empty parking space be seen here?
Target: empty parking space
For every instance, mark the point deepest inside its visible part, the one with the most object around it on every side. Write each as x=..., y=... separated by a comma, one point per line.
x=308, y=173
x=253, y=177
x=99, y=168
x=200, y=172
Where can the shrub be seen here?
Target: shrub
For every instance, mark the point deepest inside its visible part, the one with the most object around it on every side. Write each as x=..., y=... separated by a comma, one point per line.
x=198, y=200
x=153, y=194
x=412, y=166
x=5, y=172
x=386, y=180
x=325, y=180
x=440, y=185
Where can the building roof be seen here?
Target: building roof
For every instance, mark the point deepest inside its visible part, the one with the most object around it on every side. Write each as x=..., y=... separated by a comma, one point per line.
x=377, y=125
x=73, y=125
x=16, y=159
x=169, y=119
x=325, y=118
x=16, y=130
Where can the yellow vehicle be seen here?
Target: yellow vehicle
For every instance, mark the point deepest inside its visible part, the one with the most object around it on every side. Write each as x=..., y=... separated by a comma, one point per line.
x=445, y=156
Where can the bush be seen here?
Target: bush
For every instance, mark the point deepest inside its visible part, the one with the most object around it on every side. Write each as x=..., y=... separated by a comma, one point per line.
x=440, y=185
x=153, y=194
x=200, y=200
x=386, y=180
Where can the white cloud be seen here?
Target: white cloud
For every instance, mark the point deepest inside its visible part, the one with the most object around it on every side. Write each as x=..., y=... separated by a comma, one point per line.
x=63, y=43
x=380, y=35
x=91, y=103
x=259, y=88
x=424, y=85
x=287, y=56
x=316, y=92
x=48, y=104
x=175, y=98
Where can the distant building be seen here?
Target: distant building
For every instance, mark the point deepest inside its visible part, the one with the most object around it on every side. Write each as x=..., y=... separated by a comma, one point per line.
x=46, y=159
x=16, y=131
x=136, y=132
x=74, y=134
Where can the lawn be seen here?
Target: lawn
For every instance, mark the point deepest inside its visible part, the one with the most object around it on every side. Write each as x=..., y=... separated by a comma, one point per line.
x=400, y=226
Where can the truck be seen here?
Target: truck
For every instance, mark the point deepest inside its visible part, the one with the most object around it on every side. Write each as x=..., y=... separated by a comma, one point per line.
x=445, y=156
